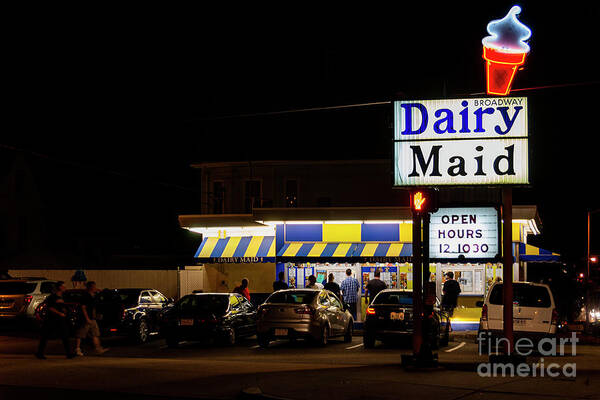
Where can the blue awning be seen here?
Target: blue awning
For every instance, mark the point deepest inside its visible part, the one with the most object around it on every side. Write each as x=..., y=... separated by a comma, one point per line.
x=531, y=253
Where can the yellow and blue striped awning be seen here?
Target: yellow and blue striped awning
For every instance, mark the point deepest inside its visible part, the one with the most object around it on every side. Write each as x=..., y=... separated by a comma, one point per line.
x=237, y=249
x=326, y=250
x=531, y=253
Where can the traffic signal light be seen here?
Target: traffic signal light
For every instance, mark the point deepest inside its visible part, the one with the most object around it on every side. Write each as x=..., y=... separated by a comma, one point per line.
x=423, y=201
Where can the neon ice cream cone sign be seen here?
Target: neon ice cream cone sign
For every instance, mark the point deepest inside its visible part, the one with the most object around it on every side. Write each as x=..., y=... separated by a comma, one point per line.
x=504, y=51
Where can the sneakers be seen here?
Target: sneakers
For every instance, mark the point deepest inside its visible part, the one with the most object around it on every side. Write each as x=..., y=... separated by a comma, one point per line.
x=101, y=350
x=79, y=352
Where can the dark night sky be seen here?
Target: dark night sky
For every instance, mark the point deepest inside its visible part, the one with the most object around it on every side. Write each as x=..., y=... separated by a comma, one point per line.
x=139, y=93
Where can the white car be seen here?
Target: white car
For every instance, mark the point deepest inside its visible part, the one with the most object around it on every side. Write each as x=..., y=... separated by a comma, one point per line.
x=534, y=313
x=19, y=297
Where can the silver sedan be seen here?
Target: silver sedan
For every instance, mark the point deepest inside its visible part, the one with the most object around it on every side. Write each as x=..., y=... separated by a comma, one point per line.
x=303, y=313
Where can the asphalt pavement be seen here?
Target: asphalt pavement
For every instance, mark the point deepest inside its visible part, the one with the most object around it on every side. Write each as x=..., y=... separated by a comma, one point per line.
x=288, y=370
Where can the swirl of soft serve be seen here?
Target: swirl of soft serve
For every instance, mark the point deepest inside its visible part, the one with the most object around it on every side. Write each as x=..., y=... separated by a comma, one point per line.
x=508, y=34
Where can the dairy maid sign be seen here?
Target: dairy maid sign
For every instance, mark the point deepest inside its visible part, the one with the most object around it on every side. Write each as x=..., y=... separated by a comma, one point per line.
x=479, y=141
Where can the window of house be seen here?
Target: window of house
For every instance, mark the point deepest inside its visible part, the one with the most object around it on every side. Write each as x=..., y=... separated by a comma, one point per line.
x=252, y=195
x=218, y=197
x=291, y=193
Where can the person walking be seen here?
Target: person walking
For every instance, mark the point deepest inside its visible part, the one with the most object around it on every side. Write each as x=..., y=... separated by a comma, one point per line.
x=89, y=327
x=280, y=283
x=349, y=288
x=55, y=323
x=375, y=285
x=243, y=289
x=333, y=286
x=450, y=291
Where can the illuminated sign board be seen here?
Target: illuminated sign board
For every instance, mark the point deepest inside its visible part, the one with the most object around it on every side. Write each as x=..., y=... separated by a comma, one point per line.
x=471, y=232
x=478, y=141
x=504, y=51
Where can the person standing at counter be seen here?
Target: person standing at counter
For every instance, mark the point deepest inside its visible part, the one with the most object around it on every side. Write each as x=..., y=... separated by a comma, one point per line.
x=332, y=286
x=450, y=291
x=280, y=284
x=375, y=285
x=349, y=288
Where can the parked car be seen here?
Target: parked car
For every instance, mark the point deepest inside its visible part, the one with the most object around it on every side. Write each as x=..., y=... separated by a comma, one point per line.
x=20, y=297
x=534, y=313
x=390, y=317
x=130, y=312
x=303, y=313
x=219, y=316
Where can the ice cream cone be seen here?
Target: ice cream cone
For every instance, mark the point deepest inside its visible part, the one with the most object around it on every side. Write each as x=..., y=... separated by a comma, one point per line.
x=501, y=68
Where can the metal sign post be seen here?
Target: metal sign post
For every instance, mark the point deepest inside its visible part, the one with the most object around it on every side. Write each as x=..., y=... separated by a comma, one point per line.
x=417, y=285
x=507, y=269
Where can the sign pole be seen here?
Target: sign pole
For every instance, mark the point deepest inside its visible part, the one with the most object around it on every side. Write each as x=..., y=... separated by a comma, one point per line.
x=417, y=285
x=507, y=269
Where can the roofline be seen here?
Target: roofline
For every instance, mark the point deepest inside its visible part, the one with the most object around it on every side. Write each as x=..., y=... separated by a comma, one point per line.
x=522, y=212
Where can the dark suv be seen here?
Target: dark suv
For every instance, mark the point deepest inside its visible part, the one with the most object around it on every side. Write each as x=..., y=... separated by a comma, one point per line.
x=130, y=312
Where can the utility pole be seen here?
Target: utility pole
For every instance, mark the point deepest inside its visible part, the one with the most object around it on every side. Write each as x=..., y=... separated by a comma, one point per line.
x=507, y=269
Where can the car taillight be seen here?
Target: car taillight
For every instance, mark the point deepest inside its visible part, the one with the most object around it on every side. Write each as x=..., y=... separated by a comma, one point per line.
x=370, y=311
x=484, y=312
x=554, y=317
x=304, y=310
x=28, y=299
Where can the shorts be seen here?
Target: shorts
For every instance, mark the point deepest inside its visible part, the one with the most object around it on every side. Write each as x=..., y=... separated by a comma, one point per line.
x=88, y=330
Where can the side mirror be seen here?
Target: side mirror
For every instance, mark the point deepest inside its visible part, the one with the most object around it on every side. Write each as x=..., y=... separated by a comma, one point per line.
x=479, y=303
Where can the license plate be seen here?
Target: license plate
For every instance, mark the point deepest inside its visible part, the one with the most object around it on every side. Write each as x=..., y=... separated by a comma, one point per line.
x=281, y=332
x=397, y=316
x=186, y=322
x=519, y=322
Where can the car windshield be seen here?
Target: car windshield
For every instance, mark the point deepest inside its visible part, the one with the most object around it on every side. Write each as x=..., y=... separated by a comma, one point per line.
x=395, y=298
x=523, y=295
x=293, y=297
x=16, y=287
x=213, y=303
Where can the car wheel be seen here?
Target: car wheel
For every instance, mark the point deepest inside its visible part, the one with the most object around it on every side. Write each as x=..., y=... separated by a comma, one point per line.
x=230, y=337
x=446, y=339
x=263, y=340
x=348, y=335
x=143, y=332
x=368, y=341
x=324, y=336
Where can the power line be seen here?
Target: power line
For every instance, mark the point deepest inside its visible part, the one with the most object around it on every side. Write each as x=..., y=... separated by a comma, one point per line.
x=376, y=103
x=299, y=110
